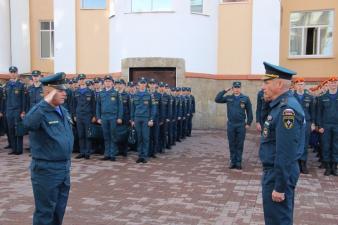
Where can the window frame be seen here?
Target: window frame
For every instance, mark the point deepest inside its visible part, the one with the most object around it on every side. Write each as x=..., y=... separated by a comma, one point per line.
x=50, y=31
x=241, y=2
x=151, y=9
x=303, y=47
x=83, y=8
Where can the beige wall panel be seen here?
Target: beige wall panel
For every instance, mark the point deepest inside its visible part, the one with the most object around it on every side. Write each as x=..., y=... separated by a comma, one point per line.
x=308, y=67
x=234, y=38
x=40, y=10
x=92, y=35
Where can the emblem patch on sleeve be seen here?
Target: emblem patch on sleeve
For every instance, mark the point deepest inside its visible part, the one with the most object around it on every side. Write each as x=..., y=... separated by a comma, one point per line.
x=288, y=118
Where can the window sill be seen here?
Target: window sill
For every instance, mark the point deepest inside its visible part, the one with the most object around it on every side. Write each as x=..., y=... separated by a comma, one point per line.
x=200, y=14
x=311, y=57
x=233, y=3
x=46, y=58
x=149, y=12
x=93, y=9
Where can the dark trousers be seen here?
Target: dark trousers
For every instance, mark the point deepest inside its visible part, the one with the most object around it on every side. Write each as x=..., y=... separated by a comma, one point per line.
x=163, y=136
x=330, y=143
x=307, y=140
x=280, y=213
x=189, y=125
x=171, y=133
x=109, y=129
x=51, y=185
x=174, y=124
x=154, y=139
x=179, y=129
x=82, y=130
x=143, y=135
x=16, y=142
x=236, y=137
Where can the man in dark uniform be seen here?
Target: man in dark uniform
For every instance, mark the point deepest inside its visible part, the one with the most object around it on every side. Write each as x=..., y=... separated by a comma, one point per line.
x=142, y=117
x=308, y=105
x=122, y=129
x=164, y=116
x=34, y=92
x=282, y=144
x=15, y=110
x=154, y=131
x=262, y=110
x=328, y=126
x=192, y=111
x=179, y=104
x=84, y=114
x=51, y=142
x=239, y=111
x=109, y=112
x=173, y=119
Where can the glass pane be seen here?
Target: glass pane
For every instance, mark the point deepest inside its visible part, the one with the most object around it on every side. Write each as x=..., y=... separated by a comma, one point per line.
x=45, y=44
x=93, y=4
x=326, y=40
x=312, y=18
x=296, y=41
x=52, y=44
x=44, y=25
x=197, y=6
x=320, y=18
x=141, y=5
x=161, y=5
x=52, y=25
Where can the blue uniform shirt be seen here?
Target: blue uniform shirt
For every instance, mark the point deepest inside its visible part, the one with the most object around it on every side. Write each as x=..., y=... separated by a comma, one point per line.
x=283, y=137
x=84, y=103
x=239, y=108
x=109, y=105
x=34, y=96
x=327, y=109
x=143, y=106
x=51, y=136
x=308, y=104
x=14, y=96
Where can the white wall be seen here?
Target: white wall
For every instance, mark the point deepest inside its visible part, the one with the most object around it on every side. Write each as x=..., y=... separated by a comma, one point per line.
x=265, y=34
x=65, y=36
x=177, y=34
x=20, y=36
x=5, y=37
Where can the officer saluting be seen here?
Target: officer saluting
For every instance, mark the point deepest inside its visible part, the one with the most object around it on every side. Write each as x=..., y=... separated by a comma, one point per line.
x=51, y=143
x=240, y=117
x=282, y=144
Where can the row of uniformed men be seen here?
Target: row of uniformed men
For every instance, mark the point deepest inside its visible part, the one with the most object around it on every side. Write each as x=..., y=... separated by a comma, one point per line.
x=160, y=115
x=320, y=105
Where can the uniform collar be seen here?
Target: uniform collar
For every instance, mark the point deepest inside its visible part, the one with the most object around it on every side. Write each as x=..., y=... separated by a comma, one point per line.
x=280, y=98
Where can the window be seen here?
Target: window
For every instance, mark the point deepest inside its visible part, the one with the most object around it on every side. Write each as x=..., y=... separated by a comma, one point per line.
x=311, y=33
x=225, y=1
x=150, y=5
x=93, y=4
x=47, y=39
x=196, y=6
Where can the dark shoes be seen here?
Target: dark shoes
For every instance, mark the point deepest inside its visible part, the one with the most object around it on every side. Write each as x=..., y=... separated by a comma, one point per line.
x=334, y=169
x=232, y=166
x=235, y=166
x=8, y=147
x=11, y=153
x=113, y=159
x=105, y=158
x=303, y=168
x=87, y=157
x=80, y=156
x=141, y=160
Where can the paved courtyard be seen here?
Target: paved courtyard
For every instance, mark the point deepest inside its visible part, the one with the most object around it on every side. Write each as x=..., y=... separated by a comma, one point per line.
x=187, y=185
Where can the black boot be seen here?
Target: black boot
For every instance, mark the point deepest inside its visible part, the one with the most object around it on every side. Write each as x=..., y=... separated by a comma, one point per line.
x=334, y=169
x=303, y=167
x=327, y=169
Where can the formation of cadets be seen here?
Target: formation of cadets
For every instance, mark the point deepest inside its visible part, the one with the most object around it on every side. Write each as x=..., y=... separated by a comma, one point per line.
x=105, y=112
x=320, y=104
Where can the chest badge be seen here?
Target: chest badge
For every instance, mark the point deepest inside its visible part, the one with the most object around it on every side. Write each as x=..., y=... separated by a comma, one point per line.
x=146, y=102
x=288, y=118
x=269, y=118
x=113, y=98
x=88, y=98
x=265, y=132
x=16, y=91
x=242, y=104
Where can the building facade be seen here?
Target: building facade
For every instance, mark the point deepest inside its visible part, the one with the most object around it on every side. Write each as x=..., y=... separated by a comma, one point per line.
x=202, y=43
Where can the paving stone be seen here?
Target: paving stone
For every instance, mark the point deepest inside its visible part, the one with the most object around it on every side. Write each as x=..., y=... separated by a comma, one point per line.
x=189, y=184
